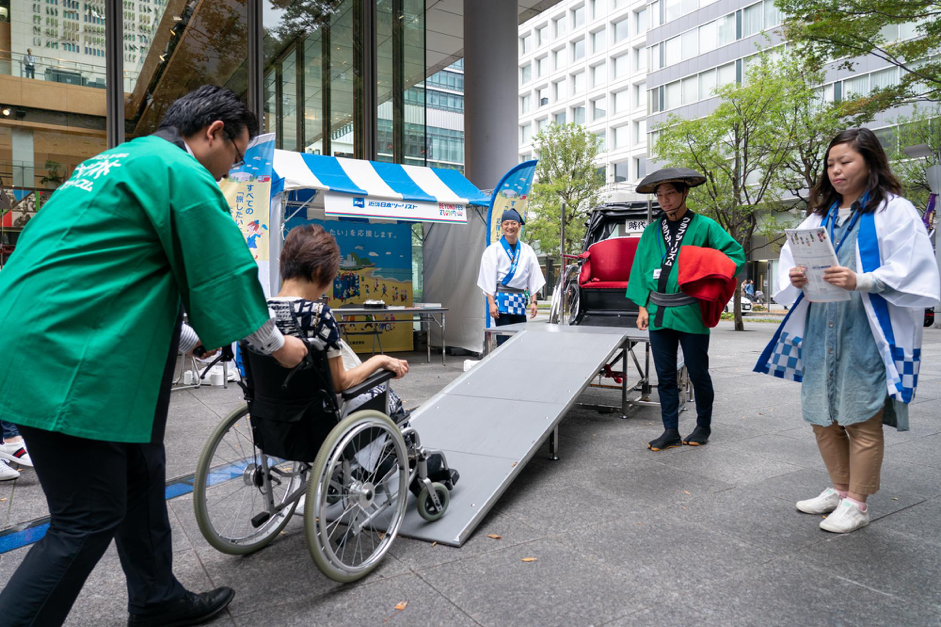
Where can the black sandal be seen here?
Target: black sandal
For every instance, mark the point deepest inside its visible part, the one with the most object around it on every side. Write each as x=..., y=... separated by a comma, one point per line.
x=698, y=437
x=669, y=439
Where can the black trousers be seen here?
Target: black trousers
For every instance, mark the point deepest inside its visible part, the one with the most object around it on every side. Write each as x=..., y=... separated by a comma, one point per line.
x=97, y=491
x=663, y=345
x=504, y=320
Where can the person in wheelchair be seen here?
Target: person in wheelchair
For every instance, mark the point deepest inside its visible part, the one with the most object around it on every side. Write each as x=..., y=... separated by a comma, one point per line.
x=310, y=260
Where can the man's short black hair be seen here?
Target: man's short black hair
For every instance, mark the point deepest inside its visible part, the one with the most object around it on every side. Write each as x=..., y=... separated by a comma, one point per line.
x=200, y=108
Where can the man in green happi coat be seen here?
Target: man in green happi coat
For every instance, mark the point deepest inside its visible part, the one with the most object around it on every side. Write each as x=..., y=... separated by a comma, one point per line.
x=673, y=318
x=91, y=305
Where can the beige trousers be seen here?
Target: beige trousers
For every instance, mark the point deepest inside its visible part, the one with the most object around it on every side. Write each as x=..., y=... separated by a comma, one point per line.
x=853, y=454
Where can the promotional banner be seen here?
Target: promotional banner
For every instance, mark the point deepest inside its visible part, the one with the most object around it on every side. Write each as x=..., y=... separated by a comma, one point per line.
x=511, y=193
x=346, y=205
x=248, y=191
x=375, y=264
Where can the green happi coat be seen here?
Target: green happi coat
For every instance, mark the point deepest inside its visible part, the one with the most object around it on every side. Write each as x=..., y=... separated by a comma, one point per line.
x=703, y=232
x=90, y=298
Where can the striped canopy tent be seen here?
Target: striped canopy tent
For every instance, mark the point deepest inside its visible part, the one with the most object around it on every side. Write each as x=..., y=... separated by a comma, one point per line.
x=354, y=188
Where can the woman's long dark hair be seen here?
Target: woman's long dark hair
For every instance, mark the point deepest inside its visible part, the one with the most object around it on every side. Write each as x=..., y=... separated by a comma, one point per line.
x=881, y=180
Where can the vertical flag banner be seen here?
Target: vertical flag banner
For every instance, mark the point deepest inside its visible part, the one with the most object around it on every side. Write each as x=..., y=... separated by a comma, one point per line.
x=511, y=193
x=248, y=192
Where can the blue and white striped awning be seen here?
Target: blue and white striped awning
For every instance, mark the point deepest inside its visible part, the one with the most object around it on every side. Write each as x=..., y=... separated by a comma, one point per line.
x=373, y=179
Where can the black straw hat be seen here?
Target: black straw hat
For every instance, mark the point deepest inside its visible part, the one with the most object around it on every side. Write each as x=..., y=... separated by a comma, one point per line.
x=688, y=177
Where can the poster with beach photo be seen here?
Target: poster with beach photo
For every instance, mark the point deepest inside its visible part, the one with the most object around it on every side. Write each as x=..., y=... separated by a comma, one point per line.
x=375, y=264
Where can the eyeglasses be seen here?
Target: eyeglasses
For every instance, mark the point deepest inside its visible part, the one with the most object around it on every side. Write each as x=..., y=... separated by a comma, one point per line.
x=241, y=158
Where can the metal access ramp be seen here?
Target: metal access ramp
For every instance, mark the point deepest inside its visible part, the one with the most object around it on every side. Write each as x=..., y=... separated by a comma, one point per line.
x=491, y=420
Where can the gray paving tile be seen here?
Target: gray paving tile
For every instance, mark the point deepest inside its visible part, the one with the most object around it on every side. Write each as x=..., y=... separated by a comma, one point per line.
x=899, y=476
x=924, y=451
x=881, y=559
x=563, y=587
x=27, y=500
x=674, y=614
x=793, y=451
x=920, y=522
x=660, y=552
x=724, y=463
x=369, y=604
x=790, y=592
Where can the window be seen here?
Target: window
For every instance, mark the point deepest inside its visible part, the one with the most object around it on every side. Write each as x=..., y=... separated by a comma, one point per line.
x=597, y=41
x=578, y=50
x=640, y=132
x=621, y=66
x=690, y=90
x=597, y=8
x=621, y=30
x=725, y=75
x=640, y=59
x=526, y=44
x=654, y=14
x=559, y=90
x=773, y=15
x=541, y=124
x=725, y=26
x=656, y=62
x=858, y=86
x=621, y=172
x=708, y=37
x=653, y=103
x=578, y=83
x=676, y=8
x=542, y=36
x=598, y=75
x=559, y=118
x=707, y=83
x=525, y=157
x=907, y=30
x=639, y=93
x=622, y=136
x=640, y=21
x=542, y=66
x=558, y=58
x=602, y=140
x=542, y=96
x=689, y=43
x=559, y=24
x=597, y=109
x=640, y=166
x=578, y=115
x=674, y=52
x=578, y=16
x=751, y=20
x=888, y=77
x=526, y=74
x=890, y=32
x=524, y=104
x=621, y=103
x=526, y=133
x=672, y=96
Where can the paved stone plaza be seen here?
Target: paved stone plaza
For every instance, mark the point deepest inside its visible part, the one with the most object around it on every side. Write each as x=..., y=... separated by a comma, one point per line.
x=621, y=535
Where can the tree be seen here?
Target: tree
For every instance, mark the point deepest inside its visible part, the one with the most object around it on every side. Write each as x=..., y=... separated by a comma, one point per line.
x=742, y=148
x=566, y=174
x=922, y=127
x=904, y=33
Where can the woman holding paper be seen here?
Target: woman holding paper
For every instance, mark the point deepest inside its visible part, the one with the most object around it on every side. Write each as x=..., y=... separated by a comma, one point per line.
x=857, y=359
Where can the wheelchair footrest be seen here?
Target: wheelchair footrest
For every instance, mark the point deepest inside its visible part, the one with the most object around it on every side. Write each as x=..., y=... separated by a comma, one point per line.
x=438, y=472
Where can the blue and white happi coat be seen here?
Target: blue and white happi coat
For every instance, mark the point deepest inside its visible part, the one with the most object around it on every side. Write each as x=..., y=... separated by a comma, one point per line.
x=496, y=265
x=893, y=246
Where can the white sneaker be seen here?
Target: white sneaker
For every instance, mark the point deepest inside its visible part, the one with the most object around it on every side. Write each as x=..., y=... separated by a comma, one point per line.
x=7, y=473
x=847, y=517
x=15, y=452
x=823, y=504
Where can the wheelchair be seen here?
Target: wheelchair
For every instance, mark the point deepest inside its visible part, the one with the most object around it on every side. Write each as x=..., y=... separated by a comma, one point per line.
x=294, y=440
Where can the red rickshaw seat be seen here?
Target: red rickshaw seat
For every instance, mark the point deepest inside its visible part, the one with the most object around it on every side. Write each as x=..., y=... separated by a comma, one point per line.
x=607, y=264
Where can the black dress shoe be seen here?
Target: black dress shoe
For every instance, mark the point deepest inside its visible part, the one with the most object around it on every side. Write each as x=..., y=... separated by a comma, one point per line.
x=698, y=437
x=669, y=439
x=191, y=609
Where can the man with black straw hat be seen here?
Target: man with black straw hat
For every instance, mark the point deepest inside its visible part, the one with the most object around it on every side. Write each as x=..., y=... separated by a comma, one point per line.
x=674, y=317
x=509, y=269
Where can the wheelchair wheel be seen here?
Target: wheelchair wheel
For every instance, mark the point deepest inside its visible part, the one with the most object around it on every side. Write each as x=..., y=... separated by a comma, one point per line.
x=426, y=506
x=356, y=496
x=239, y=506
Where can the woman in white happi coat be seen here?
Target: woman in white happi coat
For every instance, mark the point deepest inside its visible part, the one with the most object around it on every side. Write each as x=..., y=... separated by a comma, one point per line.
x=510, y=275
x=857, y=360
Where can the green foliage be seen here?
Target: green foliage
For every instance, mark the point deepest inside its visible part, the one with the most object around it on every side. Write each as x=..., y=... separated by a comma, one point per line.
x=848, y=29
x=567, y=174
x=922, y=127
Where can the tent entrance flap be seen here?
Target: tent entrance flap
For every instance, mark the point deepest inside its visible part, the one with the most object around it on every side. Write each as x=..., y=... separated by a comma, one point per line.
x=350, y=206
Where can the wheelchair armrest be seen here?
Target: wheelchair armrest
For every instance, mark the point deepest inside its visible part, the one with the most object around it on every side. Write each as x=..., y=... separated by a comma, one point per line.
x=378, y=378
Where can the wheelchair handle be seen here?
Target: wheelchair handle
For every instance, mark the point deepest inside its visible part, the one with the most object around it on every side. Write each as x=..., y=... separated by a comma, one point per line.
x=224, y=355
